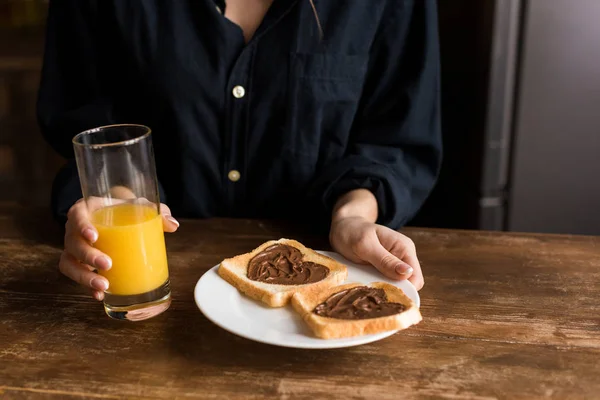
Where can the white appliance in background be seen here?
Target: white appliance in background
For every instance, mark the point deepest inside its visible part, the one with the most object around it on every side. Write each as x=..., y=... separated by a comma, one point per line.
x=520, y=115
x=555, y=177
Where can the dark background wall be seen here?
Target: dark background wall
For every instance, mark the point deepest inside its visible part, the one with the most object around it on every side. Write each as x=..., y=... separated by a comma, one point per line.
x=27, y=165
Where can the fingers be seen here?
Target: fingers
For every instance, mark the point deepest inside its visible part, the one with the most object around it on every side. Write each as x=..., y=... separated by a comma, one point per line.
x=78, y=222
x=393, y=254
x=373, y=252
x=80, y=249
x=122, y=192
x=417, y=276
x=404, y=248
x=82, y=274
x=80, y=233
x=98, y=295
x=170, y=224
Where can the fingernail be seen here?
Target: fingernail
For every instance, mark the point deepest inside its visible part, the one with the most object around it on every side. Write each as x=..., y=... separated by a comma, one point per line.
x=172, y=220
x=99, y=284
x=103, y=262
x=404, y=270
x=90, y=235
x=98, y=295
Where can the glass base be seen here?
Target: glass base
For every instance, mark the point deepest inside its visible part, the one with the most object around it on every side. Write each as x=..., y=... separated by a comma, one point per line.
x=138, y=307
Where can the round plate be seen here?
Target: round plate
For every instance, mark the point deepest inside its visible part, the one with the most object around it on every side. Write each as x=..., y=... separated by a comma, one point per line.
x=224, y=305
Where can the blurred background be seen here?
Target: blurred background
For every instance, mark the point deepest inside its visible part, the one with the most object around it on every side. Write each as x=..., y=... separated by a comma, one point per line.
x=521, y=115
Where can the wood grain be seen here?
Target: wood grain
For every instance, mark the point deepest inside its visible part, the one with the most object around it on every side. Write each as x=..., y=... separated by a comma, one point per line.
x=505, y=316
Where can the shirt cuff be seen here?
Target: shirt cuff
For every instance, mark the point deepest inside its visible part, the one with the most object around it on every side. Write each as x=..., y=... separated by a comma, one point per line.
x=388, y=202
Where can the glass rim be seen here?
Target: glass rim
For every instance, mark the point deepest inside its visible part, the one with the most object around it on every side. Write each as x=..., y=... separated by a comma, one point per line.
x=127, y=142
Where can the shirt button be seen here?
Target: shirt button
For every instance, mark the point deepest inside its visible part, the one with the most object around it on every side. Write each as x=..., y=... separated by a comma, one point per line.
x=239, y=92
x=234, y=175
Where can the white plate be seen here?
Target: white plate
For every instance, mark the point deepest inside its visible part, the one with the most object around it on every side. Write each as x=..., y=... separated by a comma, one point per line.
x=226, y=307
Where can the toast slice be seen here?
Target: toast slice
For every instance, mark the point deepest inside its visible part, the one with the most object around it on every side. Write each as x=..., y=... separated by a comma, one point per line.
x=326, y=327
x=235, y=271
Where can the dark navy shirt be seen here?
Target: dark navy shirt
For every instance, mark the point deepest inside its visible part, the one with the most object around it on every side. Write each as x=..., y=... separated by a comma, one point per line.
x=278, y=127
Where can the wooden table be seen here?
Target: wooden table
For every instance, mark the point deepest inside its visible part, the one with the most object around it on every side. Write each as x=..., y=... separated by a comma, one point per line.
x=505, y=316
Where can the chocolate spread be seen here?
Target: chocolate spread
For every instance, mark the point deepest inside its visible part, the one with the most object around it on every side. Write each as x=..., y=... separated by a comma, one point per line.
x=359, y=302
x=281, y=264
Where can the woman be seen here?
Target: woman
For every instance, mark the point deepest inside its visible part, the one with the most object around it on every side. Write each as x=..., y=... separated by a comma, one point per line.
x=315, y=109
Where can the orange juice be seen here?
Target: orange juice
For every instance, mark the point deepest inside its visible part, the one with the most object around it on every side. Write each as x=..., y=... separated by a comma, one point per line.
x=132, y=236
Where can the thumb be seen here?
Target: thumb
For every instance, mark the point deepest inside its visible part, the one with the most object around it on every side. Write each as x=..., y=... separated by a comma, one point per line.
x=387, y=263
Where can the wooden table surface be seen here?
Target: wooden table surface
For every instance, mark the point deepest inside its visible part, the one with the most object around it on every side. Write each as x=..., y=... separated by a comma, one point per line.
x=505, y=316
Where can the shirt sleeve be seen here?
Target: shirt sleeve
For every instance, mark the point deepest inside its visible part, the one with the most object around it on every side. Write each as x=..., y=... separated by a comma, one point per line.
x=70, y=98
x=395, y=145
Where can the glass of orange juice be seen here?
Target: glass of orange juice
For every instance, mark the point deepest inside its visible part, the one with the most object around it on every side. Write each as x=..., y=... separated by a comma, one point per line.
x=118, y=181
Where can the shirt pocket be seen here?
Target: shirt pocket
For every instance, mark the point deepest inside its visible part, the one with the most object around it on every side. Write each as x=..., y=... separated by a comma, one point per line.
x=324, y=92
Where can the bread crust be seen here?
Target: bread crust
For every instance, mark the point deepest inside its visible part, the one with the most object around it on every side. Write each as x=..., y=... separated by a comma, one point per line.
x=333, y=328
x=235, y=271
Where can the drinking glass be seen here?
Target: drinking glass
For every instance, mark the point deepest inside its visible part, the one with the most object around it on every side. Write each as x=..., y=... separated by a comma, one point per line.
x=119, y=184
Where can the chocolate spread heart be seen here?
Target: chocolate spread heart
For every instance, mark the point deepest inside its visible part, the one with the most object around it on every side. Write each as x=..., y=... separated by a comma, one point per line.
x=281, y=264
x=360, y=302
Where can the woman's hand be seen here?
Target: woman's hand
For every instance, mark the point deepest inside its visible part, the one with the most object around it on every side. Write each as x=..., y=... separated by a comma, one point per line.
x=79, y=259
x=364, y=242
x=356, y=236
